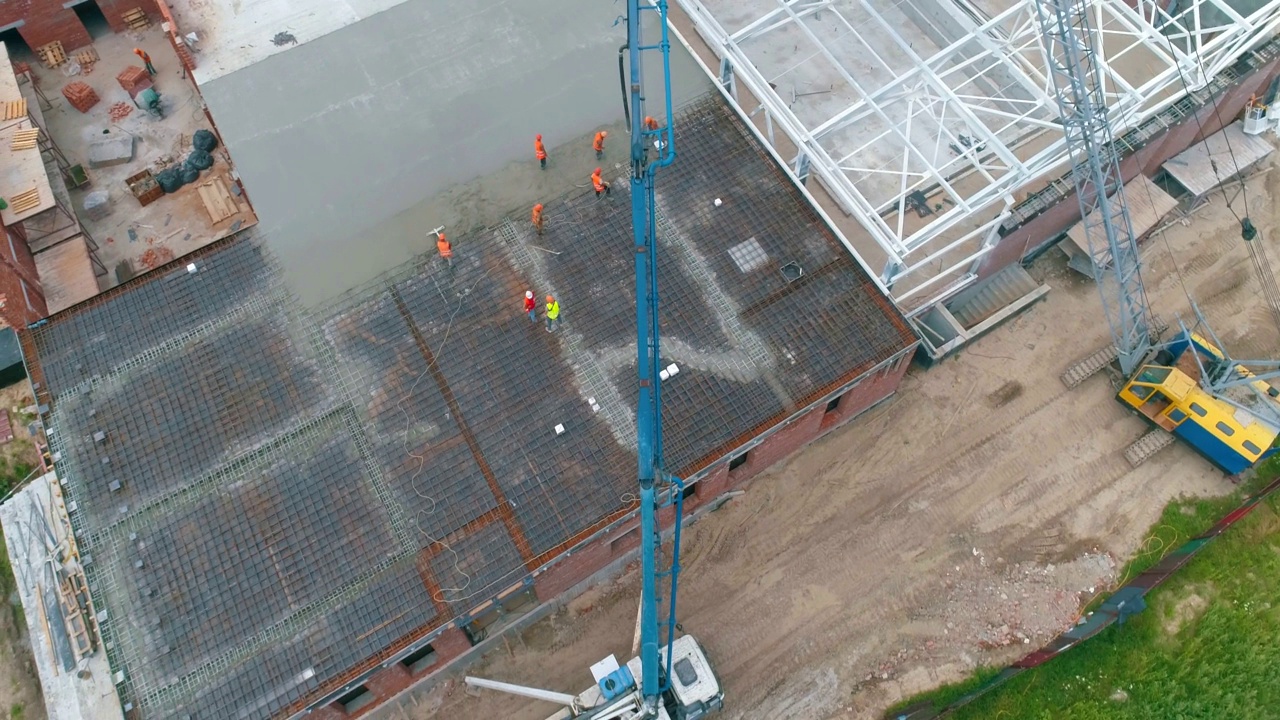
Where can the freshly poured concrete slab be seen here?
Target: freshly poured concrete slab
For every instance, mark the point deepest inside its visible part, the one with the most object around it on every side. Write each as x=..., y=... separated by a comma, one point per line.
x=347, y=134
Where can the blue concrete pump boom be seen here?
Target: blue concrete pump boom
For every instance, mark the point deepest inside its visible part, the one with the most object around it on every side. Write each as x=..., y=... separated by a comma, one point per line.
x=649, y=406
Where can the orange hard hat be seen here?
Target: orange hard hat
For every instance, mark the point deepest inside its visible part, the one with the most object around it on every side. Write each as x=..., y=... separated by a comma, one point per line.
x=538, y=136
x=550, y=299
x=597, y=171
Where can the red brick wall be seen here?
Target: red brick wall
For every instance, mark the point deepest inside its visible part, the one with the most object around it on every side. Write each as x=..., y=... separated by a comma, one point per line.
x=17, y=267
x=47, y=21
x=1148, y=159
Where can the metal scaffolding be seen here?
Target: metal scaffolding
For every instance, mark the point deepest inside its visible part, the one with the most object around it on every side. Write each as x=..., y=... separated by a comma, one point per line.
x=925, y=118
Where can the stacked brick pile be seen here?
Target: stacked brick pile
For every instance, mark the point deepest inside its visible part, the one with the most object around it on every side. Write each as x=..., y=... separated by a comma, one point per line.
x=81, y=96
x=133, y=79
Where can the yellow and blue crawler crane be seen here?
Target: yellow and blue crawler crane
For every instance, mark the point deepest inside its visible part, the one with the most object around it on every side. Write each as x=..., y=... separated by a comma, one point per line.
x=1189, y=388
x=1217, y=406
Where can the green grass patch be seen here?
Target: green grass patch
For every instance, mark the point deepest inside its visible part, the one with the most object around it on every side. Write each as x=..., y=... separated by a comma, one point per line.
x=1208, y=646
x=17, y=711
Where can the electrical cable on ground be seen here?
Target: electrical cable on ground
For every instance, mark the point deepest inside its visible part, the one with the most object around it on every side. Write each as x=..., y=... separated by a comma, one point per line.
x=421, y=460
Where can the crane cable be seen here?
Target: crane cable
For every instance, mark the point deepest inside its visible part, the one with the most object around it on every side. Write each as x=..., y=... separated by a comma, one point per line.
x=1248, y=231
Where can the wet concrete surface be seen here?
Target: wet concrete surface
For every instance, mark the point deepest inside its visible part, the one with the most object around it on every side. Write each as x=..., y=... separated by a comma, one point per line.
x=364, y=140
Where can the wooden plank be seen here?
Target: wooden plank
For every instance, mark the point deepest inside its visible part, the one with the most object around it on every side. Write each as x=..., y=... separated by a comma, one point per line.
x=52, y=54
x=212, y=203
x=25, y=139
x=14, y=109
x=25, y=200
x=136, y=19
x=225, y=195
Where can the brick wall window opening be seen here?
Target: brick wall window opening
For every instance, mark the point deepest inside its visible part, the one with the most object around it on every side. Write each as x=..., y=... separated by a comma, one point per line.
x=500, y=613
x=616, y=545
x=13, y=40
x=27, y=296
x=90, y=15
x=833, y=403
x=738, y=461
x=689, y=491
x=420, y=659
x=355, y=698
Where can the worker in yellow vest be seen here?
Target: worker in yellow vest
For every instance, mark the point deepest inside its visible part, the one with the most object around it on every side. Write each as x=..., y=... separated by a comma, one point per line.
x=553, y=313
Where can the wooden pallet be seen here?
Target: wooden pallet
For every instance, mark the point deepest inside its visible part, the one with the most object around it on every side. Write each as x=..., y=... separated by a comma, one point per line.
x=217, y=201
x=136, y=19
x=14, y=109
x=24, y=201
x=25, y=139
x=52, y=54
x=87, y=56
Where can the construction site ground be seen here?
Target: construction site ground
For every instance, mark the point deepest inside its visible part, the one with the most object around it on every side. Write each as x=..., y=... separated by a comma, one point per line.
x=959, y=525
x=19, y=685
x=172, y=225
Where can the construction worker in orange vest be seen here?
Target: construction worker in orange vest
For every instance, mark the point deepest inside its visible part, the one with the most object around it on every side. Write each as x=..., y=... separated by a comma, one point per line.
x=530, y=306
x=540, y=151
x=553, y=313
x=446, y=250
x=146, y=60
x=598, y=144
x=599, y=184
x=537, y=218
x=650, y=123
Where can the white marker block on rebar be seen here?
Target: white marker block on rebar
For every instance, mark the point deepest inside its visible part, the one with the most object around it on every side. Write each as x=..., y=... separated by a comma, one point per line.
x=99, y=437
x=191, y=268
x=664, y=375
x=559, y=429
x=673, y=369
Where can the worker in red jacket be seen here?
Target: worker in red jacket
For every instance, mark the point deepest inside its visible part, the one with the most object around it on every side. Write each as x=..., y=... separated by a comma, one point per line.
x=530, y=306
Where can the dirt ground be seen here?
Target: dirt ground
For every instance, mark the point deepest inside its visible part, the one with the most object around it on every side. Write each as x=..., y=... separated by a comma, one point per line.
x=960, y=525
x=19, y=686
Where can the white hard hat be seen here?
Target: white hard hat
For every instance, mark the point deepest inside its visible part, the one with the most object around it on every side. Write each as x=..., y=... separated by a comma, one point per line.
x=528, y=293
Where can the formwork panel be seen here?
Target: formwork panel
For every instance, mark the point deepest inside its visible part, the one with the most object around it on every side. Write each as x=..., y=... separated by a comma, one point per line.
x=91, y=341
x=416, y=440
x=279, y=535
x=166, y=423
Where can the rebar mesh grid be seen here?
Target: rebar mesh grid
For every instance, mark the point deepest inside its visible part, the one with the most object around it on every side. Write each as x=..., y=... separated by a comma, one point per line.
x=313, y=486
x=139, y=434
x=92, y=341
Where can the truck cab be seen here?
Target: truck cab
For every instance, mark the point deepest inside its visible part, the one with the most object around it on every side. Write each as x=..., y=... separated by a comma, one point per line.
x=693, y=693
